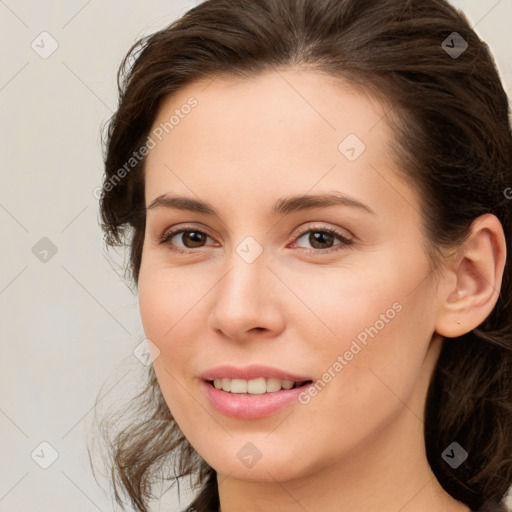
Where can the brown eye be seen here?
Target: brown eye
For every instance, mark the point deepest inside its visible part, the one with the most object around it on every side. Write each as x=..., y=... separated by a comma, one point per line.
x=318, y=239
x=195, y=238
x=322, y=240
x=189, y=238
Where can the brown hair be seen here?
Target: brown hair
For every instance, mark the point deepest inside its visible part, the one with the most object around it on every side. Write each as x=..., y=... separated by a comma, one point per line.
x=453, y=142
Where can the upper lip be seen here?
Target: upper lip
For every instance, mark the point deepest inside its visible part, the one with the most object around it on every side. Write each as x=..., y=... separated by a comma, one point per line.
x=253, y=371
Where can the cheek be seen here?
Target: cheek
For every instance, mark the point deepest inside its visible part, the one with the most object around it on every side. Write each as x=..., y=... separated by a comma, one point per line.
x=171, y=305
x=369, y=325
x=383, y=332
x=164, y=304
x=168, y=312
x=156, y=305
x=166, y=297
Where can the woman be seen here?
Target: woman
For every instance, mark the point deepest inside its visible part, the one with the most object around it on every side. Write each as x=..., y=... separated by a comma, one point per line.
x=315, y=198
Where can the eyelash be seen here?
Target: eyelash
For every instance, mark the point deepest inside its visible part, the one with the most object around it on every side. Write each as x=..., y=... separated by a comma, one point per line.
x=346, y=243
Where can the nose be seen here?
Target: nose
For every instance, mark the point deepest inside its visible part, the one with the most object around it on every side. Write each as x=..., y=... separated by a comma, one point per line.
x=245, y=303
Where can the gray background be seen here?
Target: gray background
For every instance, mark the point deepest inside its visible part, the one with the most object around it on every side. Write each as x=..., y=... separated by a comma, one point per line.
x=70, y=322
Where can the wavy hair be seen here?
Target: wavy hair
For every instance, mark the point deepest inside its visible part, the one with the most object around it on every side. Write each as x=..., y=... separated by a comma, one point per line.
x=450, y=118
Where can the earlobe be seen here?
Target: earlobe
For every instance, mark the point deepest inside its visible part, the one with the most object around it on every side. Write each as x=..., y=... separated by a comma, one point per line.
x=478, y=269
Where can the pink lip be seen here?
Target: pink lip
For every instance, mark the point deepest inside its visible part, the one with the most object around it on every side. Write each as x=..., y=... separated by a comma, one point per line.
x=250, y=372
x=250, y=407
x=246, y=406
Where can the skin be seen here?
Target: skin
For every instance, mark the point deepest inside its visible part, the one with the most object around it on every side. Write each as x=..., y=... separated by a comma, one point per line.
x=358, y=444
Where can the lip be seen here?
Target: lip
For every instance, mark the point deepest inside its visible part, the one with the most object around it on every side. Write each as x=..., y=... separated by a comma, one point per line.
x=246, y=406
x=251, y=372
x=251, y=407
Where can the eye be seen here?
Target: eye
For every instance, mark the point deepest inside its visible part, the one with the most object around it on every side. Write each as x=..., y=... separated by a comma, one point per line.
x=321, y=239
x=190, y=237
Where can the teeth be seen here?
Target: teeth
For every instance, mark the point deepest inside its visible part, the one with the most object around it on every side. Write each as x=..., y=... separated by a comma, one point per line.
x=257, y=386
x=273, y=385
x=226, y=384
x=238, y=386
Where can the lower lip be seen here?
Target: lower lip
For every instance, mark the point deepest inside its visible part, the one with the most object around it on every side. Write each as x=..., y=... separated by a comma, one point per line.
x=250, y=407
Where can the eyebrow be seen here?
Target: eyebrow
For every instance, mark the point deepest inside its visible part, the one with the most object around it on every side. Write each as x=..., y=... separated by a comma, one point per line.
x=283, y=206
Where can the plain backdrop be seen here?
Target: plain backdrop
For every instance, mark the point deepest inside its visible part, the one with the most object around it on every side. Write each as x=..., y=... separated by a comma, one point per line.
x=69, y=322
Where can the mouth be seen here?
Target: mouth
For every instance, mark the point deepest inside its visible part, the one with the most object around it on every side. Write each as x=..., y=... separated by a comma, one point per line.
x=252, y=392
x=253, y=399
x=257, y=386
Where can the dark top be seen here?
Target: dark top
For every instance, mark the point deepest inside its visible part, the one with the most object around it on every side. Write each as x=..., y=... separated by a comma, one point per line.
x=486, y=507
x=493, y=507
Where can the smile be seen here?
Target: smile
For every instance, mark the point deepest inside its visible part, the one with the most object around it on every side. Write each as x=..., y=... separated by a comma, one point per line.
x=241, y=402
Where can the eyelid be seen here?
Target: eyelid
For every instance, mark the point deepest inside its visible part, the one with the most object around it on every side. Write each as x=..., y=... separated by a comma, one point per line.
x=324, y=228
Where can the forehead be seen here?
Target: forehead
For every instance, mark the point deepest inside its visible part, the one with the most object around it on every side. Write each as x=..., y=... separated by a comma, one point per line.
x=282, y=129
x=307, y=102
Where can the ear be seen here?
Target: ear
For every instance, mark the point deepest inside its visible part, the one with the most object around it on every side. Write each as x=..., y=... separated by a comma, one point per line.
x=473, y=279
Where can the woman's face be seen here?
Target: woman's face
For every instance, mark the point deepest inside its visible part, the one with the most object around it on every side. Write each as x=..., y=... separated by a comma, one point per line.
x=269, y=288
